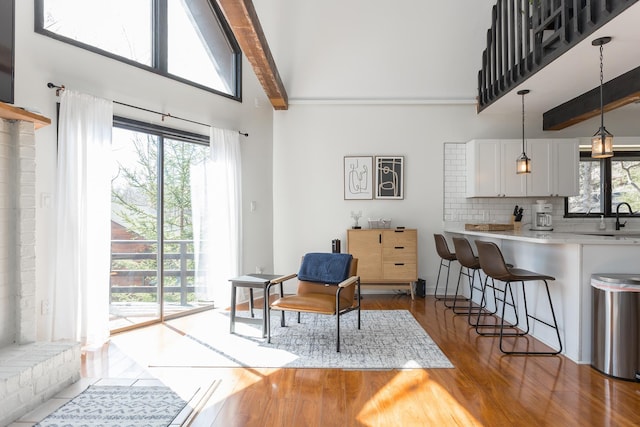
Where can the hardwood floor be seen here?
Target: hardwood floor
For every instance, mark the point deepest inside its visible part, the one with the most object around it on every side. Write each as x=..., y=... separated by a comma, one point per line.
x=485, y=388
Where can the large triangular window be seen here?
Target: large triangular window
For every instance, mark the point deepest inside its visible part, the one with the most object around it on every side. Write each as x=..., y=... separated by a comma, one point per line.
x=187, y=40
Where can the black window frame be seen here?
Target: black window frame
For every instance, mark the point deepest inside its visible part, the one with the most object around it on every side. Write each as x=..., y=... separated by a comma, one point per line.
x=606, y=189
x=159, y=45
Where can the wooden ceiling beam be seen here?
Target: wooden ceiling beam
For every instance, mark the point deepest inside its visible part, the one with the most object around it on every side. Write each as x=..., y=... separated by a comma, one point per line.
x=616, y=93
x=243, y=20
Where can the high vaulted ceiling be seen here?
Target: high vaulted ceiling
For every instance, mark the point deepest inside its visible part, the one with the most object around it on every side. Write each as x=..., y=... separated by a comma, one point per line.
x=573, y=74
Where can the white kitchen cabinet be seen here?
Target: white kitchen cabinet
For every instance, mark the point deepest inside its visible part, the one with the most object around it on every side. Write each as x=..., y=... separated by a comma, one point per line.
x=491, y=168
x=554, y=167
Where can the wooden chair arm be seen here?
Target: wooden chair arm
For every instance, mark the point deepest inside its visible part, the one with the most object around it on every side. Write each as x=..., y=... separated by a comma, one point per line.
x=348, y=281
x=282, y=279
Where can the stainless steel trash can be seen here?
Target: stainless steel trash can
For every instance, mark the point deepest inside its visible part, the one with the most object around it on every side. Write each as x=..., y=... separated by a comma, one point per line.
x=615, y=341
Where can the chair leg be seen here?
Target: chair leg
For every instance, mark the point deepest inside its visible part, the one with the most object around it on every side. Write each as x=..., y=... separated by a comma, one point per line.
x=338, y=332
x=553, y=325
x=498, y=328
x=359, y=322
x=435, y=292
x=470, y=308
x=484, y=303
x=268, y=314
x=444, y=297
x=456, y=295
x=480, y=309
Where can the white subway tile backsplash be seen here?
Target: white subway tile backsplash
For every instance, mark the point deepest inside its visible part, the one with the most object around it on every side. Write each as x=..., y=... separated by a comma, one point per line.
x=459, y=208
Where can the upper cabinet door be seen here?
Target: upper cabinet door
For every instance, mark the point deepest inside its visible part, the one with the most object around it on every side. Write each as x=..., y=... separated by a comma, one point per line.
x=512, y=184
x=541, y=180
x=491, y=169
x=483, y=168
x=567, y=167
x=554, y=168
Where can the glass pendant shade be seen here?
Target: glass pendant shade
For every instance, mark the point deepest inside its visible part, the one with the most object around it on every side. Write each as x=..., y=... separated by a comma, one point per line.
x=523, y=164
x=602, y=145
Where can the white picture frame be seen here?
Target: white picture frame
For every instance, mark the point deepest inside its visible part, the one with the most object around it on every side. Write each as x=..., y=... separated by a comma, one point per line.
x=358, y=177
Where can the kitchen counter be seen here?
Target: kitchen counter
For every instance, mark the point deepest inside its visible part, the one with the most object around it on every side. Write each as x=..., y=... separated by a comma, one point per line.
x=571, y=257
x=584, y=237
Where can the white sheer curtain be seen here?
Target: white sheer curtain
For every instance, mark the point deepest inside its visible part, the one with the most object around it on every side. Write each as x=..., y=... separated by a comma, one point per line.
x=216, y=191
x=80, y=295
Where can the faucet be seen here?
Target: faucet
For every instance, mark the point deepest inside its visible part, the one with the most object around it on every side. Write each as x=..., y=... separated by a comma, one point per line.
x=618, y=225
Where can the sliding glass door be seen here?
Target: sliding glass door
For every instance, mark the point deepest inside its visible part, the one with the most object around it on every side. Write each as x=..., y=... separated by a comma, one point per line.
x=182, y=292
x=153, y=267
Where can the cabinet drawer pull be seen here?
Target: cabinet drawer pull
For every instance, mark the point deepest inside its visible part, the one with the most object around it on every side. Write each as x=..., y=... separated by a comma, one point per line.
x=399, y=247
x=399, y=263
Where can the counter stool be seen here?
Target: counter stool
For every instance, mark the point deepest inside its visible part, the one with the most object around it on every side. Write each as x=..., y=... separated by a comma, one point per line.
x=446, y=256
x=493, y=265
x=469, y=267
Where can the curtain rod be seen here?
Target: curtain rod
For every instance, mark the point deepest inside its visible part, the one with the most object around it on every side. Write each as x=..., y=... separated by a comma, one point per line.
x=61, y=88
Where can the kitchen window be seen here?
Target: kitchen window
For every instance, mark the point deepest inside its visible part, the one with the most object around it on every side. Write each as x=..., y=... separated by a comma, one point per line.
x=186, y=40
x=605, y=183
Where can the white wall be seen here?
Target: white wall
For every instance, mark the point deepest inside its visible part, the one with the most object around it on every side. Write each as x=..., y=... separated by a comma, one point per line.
x=371, y=78
x=309, y=145
x=40, y=59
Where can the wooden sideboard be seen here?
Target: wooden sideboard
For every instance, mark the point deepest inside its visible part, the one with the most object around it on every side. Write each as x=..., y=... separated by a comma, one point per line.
x=386, y=257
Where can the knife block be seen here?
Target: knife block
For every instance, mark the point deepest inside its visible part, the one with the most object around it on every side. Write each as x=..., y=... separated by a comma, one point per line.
x=517, y=225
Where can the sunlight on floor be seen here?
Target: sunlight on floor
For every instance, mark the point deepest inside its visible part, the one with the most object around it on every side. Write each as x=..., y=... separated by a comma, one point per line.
x=399, y=396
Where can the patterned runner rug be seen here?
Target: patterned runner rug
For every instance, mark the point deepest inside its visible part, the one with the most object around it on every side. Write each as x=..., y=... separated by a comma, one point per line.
x=111, y=406
x=389, y=339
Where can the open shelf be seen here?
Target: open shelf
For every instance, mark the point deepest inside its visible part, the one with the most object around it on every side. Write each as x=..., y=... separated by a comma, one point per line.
x=10, y=112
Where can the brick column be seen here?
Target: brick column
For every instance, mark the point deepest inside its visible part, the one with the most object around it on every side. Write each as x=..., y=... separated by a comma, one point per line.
x=25, y=263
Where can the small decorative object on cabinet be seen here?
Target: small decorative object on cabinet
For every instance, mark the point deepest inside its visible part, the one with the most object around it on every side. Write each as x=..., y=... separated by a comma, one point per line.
x=356, y=216
x=387, y=258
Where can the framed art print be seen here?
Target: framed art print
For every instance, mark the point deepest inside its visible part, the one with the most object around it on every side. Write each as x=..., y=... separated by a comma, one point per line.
x=389, y=177
x=358, y=176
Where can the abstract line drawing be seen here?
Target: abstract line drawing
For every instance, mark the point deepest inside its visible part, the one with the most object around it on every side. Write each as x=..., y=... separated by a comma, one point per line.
x=357, y=177
x=389, y=177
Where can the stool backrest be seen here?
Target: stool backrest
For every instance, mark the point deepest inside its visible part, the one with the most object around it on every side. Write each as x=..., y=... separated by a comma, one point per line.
x=465, y=254
x=442, y=248
x=491, y=260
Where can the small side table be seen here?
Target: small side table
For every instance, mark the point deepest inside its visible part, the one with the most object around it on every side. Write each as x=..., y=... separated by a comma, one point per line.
x=252, y=281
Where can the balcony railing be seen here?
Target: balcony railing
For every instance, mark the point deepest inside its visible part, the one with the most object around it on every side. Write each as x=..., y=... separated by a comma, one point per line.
x=145, y=280
x=526, y=35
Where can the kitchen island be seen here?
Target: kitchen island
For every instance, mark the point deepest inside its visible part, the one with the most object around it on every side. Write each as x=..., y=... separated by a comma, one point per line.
x=570, y=257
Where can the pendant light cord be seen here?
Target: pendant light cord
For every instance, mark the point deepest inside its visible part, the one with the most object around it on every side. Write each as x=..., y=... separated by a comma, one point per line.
x=601, y=83
x=523, y=123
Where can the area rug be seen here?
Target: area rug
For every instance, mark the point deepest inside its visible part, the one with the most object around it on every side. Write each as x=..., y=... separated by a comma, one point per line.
x=111, y=406
x=389, y=339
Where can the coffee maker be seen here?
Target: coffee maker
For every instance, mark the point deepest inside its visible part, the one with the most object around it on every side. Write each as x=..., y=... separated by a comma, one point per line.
x=541, y=219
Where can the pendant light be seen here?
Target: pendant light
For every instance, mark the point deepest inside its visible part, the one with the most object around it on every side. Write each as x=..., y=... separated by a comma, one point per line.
x=523, y=163
x=602, y=141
